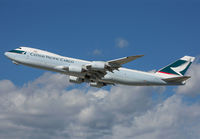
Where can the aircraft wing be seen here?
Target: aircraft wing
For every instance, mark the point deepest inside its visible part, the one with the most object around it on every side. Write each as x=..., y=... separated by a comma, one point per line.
x=111, y=65
x=123, y=60
x=95, y=70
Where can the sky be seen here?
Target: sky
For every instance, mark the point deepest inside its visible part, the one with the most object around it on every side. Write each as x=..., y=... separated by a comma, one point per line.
x=41, y=104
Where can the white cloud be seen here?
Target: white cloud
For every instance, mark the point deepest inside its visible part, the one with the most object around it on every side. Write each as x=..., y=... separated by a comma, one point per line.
x=49, y=107
x=97, y=52
x=6, y=86
x=121, y=43
x=169, y=120
x=192, y=86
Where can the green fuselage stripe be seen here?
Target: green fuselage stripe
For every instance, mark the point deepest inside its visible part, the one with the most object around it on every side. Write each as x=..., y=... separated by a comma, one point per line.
x=16, y=51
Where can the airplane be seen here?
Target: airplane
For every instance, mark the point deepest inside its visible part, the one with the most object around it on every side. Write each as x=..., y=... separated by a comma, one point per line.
x=101, y=73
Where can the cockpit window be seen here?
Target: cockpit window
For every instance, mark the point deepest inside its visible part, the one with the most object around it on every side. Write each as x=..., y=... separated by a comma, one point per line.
x=19, y=48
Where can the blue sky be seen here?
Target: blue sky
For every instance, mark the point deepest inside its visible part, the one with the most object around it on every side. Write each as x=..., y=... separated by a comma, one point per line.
x=40, y=104
x=162, y=31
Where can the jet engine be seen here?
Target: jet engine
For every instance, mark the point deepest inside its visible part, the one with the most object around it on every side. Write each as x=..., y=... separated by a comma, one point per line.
x=98, y=65
x=74, y=79
x=75, y=69
x=97, y=84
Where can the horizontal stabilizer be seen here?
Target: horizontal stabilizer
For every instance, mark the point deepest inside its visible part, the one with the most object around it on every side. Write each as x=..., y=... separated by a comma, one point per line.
x=123, y=60
x=176, y=79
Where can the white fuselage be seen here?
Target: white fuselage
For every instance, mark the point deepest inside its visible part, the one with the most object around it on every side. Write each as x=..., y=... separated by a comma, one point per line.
x=53, y=62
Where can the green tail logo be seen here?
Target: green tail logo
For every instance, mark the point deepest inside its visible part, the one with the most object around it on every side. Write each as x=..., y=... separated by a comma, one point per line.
x=179, y=67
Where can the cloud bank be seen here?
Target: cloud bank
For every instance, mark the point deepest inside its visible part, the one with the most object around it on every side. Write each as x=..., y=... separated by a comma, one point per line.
x=51, y=107
x=192, y=87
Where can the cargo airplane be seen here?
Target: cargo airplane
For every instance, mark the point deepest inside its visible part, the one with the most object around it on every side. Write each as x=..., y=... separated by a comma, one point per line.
x=101, y=73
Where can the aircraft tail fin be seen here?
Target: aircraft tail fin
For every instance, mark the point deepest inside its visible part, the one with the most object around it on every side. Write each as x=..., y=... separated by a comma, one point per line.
x=178, y=68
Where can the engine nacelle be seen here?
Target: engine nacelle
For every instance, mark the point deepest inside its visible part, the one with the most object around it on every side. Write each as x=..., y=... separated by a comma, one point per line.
x=98, y=65
x=97, y=84
x=75, y=69
x=74, y=79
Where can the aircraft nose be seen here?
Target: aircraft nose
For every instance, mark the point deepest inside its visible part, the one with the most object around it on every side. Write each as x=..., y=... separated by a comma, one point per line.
x=6, y=54
x=9, y=55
